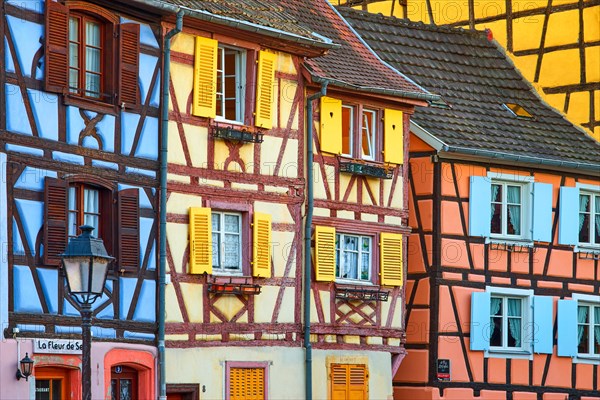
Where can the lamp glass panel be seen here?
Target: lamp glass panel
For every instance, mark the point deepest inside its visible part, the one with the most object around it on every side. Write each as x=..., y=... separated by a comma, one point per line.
x=77, y=270
x=99, y=274
x=26, y=367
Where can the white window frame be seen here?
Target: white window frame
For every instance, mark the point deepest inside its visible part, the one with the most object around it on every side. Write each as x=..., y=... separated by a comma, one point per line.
x=591, y=301
x=525, y=350
x=592, y=191
x=240, y=83
x=220, y=270
x=351, y=133
x=360, y=253
x=371, y=133
x=526, y=184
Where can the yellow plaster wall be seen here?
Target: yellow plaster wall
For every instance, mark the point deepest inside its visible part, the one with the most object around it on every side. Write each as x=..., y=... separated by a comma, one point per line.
x=558, y=68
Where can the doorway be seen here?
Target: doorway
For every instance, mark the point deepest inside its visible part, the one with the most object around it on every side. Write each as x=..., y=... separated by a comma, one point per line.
x=123, y=383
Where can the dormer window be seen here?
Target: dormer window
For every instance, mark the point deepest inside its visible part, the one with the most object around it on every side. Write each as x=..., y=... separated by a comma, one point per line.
x=360, y=138
x=518, y=111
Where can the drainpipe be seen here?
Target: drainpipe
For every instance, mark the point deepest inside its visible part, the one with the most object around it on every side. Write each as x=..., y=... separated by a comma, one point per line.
x=163, y=204
x=307, y=236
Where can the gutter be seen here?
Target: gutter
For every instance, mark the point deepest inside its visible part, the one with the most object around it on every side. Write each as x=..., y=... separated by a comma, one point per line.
x=307, y=236
x=242, y=25
x=377, y=90
x=164, y=141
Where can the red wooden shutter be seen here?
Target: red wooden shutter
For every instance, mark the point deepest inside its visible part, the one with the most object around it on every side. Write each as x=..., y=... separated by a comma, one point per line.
x=129, y=63
x=57, y=45
x=129, y=229
x=55, y=220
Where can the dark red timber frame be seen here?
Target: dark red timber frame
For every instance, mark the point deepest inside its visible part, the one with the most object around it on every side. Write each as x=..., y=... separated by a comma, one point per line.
x=17, y=162
x=230, y=198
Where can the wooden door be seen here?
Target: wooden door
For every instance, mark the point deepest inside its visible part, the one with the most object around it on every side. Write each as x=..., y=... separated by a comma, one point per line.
x=123, y=383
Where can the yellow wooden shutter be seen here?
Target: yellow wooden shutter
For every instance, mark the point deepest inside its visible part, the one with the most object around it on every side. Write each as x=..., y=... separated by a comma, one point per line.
x=349, y=382
x=393, y=142
x=200, y=241
x=264, y=89
x=390, y=247
x=331, y=125
x=246, y=383
x=205, y=77
x=261, y=254
x=324, y=253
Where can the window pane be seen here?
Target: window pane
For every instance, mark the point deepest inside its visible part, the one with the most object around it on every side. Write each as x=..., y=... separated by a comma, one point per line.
x=125, y=392
x=92, y=85
x=91, y=201
x=514, y=220
x=584, y=228
x=231, y=252
x=92, y=59
x=368, y=135
x=216, y=245
x=92, y=34
x=584, y=339
x=113, y=389
x=514, y=332
x=513, y=194
x=347, y=115
x=584, y=203
x=72, y=223
x=73, y=29
x=73, y=55
x=350, y=265
x=351, y=243
x=216, y=222
x=514, y=307
x=496, y=193
x=232, y=223
x=42, y=389
x=496, y=331
x=496, y=218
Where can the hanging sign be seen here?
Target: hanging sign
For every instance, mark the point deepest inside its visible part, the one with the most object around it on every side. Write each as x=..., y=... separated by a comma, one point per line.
x=443, y=370
x=57, y=346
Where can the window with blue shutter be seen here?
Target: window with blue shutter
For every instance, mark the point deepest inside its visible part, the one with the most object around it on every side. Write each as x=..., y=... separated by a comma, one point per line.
x=479, y=206
x=543, y=328
x=567, y=328
x=568, y=219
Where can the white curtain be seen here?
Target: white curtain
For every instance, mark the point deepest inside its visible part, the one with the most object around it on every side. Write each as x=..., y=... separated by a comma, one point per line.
x=583, y=205
x=514, y=211
x=514, y=324
x=350, y=252
x=495, y=189
x=597, y=209
x=582, y=312
x=91, y=208
x=597, y=323
x=494, y=307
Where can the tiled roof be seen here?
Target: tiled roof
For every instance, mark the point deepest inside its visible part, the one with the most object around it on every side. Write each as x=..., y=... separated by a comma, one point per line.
x=351, y=64
x=475, y=78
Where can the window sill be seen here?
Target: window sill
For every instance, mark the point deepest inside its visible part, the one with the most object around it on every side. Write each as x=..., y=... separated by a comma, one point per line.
x=512, y=354
x=585, y=359
x=360, y=292
x=91, y=105
x=588, y=252
x=508, y=244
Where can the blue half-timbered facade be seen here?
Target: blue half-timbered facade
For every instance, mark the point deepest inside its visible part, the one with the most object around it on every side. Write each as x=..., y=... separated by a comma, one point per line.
x=79, y=134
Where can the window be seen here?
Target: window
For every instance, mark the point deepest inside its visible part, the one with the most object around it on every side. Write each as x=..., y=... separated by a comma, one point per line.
x=507, y=209
x=246, y=380
x=353, y=255
x=359, y=138
x=52, y=383
x=349, y=381
x=589, y=218
x=518, y=111
x=588, y=330
x=506, y=323
x=85, y=56
x=92, y=201
x=227, y=242
x=230, y=84
x=90, y=55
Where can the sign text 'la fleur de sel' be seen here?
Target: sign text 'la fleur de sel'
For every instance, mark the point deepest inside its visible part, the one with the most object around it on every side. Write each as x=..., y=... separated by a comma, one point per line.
x=57, y=346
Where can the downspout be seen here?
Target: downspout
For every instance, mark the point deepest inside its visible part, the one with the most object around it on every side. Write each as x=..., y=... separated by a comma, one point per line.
x=307, y=236
x=164, y=141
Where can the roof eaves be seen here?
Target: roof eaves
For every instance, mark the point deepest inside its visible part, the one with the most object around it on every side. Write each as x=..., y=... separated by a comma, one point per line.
x=427, y=137
x=323, y=43
x=374, y=52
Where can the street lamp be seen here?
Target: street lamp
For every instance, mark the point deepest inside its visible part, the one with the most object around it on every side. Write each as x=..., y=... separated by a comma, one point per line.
x=86, y=264
x=25, y=370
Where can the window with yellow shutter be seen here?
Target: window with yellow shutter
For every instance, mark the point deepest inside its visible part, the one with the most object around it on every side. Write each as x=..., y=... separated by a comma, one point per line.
x=349, y=382
x=246, y=380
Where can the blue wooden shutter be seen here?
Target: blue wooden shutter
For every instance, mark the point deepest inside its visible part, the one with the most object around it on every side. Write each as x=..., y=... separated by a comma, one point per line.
x=542, y=212
x=480, y=321
x=567, y=328
x=480, y=202
x=568, y=221
x=543, y=332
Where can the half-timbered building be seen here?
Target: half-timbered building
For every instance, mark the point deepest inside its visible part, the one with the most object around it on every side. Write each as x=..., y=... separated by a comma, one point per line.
x=503, y=264
x=252, y=98
x=79, y=103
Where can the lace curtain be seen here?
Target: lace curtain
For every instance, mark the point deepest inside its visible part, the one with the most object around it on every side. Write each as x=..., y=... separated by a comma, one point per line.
x=513, y=198
x=494, y=307
x=597, y=323
x=514, y=324
x=582, y=312
x=583, y=206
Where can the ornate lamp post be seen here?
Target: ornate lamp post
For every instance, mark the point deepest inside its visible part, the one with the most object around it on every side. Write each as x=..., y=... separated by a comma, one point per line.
x=86, y=264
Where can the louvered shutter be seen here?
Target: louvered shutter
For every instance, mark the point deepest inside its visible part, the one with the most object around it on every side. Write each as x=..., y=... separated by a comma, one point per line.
x=567, y=335
x=480, y=201
x=55, y=220
x=349, y=382
x=261, y=254
x=129, y=63
x=324, y=253
x=391, y=259
x=339, y=382
x=246, y=384
x=57, y=47
x=129, y=229
x=200, y=241
x=331, y=125
x=393, y=141
x=480, y=320
x=205, y=77
x=264, y=89
x=568, y=217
